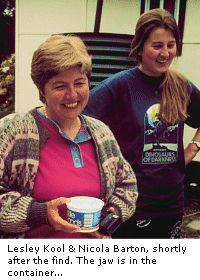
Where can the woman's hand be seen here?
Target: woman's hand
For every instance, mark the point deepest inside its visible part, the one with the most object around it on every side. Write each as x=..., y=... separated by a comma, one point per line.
x=112, y=210
x=54, y=218
x=191, y=150
x=59, y=224
x=97, y=234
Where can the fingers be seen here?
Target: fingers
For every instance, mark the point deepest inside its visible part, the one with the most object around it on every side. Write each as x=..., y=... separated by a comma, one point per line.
x=111, y=209
x=59, y=201
x=54, y=218
x=59, y=224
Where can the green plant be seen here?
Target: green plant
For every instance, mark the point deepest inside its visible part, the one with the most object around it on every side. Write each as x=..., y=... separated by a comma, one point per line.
x=7, y=86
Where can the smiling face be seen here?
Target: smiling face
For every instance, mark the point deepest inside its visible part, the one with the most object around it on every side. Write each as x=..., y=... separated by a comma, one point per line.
x=158, y=52
x=66, y=95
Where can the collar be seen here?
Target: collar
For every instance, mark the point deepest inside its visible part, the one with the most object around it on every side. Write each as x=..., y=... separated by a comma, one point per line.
x=152, y=81
x=82, y=136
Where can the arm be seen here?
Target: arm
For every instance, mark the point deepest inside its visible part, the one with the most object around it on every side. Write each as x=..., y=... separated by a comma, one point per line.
x=20, y=212
x=14, y=200
x=100, y=103
x=191, y=150
x=118, y=181
x=125, y=193
x=122, y=201
x=194, y=121
x=20, y=215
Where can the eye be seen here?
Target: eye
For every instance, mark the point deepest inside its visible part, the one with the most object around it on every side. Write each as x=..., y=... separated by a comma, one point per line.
x=157, y=47
x=80, y=84
x=60, y=87
x=171, y=46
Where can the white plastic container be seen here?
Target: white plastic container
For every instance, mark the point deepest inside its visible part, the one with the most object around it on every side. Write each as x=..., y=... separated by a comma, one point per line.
x=85, y=212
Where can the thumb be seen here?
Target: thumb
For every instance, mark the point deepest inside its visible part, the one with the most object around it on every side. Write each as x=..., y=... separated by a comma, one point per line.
x=111, y=209
x=59, y=201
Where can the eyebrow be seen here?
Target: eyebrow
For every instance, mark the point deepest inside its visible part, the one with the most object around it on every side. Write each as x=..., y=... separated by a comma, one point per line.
x=58, y=82
x=81, y=78
x=62, y=82
x=158, y=42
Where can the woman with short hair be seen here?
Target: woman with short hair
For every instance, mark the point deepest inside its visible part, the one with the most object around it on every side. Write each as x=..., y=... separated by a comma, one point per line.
x=53, y=152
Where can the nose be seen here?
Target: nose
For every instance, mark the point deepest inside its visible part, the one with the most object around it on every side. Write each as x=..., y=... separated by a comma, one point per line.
x=165, y=52
x=71, y=92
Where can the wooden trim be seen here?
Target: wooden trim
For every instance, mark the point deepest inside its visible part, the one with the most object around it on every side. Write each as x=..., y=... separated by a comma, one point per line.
x=98, y=16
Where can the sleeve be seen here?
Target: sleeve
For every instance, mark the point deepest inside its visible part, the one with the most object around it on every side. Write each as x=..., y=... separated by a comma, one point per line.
x=194, y=108
x=18, y=210
x=125, y=192
x=116, y=174
x=19, y=213
x=101, y=103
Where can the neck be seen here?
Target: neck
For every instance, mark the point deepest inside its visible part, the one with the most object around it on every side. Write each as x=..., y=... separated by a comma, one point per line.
x=71, y=124
x=70, y=127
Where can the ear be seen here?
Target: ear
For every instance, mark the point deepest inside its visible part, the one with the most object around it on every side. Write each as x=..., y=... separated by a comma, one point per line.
x=41, y=92
x=42, y=96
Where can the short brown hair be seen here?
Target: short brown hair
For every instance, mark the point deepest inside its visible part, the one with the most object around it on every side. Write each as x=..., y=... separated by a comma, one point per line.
x=57, y=53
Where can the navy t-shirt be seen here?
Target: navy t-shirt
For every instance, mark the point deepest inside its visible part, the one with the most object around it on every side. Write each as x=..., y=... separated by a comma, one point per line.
x=129, y=104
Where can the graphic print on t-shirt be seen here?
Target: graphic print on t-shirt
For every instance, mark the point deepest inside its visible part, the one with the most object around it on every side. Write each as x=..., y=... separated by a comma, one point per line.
x=160, y=140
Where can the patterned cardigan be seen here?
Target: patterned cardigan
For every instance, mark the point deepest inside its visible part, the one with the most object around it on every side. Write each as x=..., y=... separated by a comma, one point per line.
x=22, y=137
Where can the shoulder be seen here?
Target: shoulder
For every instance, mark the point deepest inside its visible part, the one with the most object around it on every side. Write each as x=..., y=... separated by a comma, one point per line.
x=193, y=87
x=18, y=120
x=104, y=139
x=121, y=76
x=94, y=123
x=116, y=80
x=175, y=76
x=98, y=128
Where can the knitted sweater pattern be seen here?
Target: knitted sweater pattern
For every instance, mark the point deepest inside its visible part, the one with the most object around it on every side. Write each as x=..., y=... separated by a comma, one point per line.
x=22, y=137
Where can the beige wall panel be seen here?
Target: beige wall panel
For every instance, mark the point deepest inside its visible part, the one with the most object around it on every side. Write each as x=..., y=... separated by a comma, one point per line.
x=47, y=17
x=120, y=16
x=27, y=96
x=192, y=22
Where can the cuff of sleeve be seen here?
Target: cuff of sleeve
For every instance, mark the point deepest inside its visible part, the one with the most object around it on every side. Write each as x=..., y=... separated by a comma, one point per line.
x=37, y=214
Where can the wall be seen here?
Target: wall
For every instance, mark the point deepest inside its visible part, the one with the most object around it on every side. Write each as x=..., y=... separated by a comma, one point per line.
x=37, y=20
x=188, y=63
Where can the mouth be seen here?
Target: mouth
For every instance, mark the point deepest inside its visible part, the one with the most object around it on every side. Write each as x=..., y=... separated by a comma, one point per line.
x=71, y=105
x=162, y=61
